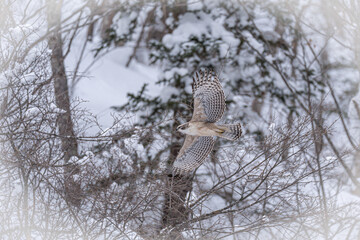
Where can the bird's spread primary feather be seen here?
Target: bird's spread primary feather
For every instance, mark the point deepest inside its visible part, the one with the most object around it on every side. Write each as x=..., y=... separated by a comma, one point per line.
x=209, y=97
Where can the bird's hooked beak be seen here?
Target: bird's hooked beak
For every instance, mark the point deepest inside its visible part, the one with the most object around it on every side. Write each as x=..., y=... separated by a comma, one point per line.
x=180, y=127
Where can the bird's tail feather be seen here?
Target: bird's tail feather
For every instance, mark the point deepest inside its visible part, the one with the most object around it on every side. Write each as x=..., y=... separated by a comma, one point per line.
x=230, y=131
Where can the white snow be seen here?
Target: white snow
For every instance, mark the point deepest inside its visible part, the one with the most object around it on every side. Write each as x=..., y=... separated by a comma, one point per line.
x=108, y=81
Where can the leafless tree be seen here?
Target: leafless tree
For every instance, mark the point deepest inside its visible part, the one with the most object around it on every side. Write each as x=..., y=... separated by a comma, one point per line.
x=58, y=182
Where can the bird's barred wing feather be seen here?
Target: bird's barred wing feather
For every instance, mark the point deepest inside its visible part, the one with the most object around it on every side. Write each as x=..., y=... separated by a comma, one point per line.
x=187, y=143
x=193, y=153
x=209, y=98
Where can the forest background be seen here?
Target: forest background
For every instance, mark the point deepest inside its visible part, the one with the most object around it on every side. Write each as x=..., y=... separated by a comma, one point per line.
x=91, y=92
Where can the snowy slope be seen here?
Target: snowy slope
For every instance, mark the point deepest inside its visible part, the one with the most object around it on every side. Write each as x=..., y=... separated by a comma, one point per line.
x=106, y=81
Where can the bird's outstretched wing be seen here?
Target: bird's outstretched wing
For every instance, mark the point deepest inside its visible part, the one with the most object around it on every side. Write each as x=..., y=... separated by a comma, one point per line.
x=193, y=153
x=209, y=98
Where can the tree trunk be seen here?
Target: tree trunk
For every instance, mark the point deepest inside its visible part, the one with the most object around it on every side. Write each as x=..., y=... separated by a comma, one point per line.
x=64, y=122
x=175, y=210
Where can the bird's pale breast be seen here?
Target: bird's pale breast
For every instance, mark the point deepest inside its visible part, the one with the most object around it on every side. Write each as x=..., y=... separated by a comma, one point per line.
x=202, y=129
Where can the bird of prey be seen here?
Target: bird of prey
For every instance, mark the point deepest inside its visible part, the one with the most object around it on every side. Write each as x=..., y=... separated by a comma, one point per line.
x=209, y=106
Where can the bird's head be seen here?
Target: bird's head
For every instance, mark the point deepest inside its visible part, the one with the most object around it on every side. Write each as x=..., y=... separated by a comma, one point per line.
x=182, y=128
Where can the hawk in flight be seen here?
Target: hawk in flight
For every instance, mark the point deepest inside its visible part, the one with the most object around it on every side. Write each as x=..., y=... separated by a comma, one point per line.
x=209, y=106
